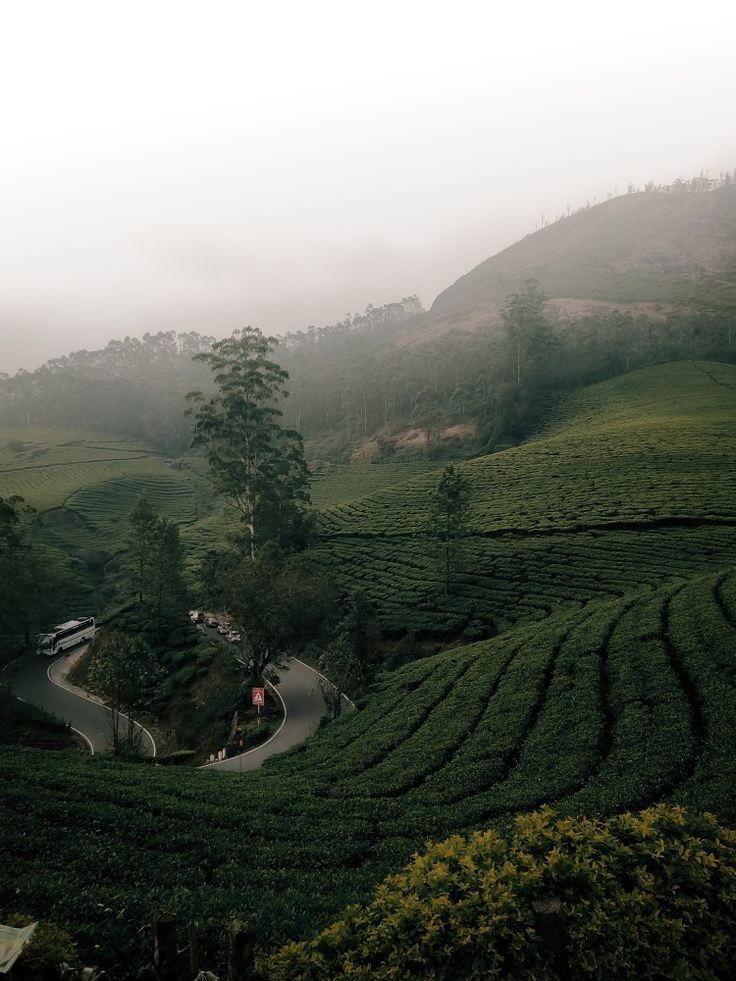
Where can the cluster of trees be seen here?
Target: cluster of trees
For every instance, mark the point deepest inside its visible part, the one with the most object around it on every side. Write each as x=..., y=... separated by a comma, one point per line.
x=154, y=563
x=498, y=377
x=134, y=387
x=273, y=597
x=281, y=608
x=137, y=386
x=700, y=184
x=124, y=670
x=354, y=379
x=28, y=580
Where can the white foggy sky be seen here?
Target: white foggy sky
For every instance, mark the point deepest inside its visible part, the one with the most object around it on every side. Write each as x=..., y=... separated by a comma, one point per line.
x=205, y=165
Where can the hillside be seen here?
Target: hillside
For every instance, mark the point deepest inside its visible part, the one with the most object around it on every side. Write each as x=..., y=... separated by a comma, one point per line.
x=639, y=252
x=596, y=711
x=83, y=485
x=612, y=534
x=629, y=477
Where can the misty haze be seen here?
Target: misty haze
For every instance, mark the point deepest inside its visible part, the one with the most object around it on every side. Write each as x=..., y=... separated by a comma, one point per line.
x=367, y=491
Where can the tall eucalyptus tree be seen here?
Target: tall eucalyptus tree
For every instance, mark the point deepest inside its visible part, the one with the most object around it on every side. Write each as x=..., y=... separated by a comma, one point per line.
x=254, y=462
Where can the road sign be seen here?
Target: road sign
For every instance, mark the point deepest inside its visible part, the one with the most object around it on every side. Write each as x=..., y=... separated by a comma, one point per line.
x=259, y=696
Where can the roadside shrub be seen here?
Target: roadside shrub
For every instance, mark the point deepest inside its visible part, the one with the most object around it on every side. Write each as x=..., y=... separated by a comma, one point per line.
x=255, y=735
x=649, y=895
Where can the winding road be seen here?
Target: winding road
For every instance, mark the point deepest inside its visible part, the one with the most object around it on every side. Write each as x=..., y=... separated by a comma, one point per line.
x=303, y=706
x=44, y=683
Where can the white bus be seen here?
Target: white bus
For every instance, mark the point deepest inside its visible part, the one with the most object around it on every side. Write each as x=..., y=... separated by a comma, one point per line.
x=66, y=635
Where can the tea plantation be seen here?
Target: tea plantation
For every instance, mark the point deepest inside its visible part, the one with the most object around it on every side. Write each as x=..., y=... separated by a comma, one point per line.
x=631, y=479
x=595, y=711
x=603, y=551
x=83, y=486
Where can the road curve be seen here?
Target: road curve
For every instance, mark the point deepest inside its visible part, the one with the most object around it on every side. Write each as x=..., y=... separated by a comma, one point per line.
x=43, y=682
x=303, y=707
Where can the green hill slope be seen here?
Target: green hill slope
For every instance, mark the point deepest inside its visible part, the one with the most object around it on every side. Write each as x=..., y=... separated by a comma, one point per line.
x=638, y=248
x=83, y=486
x=618, y=692
x=594, y=711
x=629, y=478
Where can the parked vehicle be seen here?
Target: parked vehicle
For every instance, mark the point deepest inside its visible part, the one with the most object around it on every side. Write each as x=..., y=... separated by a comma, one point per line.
x=234, y=637
x=196, y=616
x=66, y=635
x=212, y=621
x=223, y=628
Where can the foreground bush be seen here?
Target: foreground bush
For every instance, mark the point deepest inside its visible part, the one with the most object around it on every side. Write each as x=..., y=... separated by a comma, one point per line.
x=649, y=895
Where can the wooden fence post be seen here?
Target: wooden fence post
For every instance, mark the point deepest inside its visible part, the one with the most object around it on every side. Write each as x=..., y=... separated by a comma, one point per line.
x=241, y=951
x=193, y=949
x=165, y=954
x=550, y=923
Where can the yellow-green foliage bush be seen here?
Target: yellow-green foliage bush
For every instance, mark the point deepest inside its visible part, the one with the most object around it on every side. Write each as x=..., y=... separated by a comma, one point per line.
x=649, y=895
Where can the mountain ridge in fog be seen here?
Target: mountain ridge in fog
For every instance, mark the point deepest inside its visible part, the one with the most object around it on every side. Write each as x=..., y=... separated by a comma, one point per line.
x=647, y=252
x=644, y=252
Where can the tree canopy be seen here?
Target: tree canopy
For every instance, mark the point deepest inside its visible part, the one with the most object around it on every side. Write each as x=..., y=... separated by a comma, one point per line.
x=254, y=462
x=124, y=670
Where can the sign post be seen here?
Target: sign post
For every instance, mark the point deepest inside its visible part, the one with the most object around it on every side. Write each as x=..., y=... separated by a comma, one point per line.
x=258, y=697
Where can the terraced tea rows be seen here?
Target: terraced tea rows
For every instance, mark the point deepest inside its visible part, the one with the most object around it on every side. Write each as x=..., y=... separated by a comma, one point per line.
x=631, y=481
x=101, y=505
x=615, y=706
x=347, y=483
x=606, y=708
x=85, y=485
x=515, y=578
x=47, y=467
x=626, y=452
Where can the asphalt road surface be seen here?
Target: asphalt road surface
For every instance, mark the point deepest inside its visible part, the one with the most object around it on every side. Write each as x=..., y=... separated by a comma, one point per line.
x=304, y=707
x=42, y=681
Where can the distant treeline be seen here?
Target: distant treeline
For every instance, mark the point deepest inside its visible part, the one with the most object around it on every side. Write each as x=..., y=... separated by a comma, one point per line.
x=134, y=387
x=497, y=378
x=372, y=374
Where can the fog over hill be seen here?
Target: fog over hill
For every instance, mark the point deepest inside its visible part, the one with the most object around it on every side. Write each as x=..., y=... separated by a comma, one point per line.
x=281, y=166
x=643, y=252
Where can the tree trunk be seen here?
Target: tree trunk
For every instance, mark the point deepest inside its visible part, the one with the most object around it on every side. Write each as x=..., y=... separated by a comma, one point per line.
x=447, y=556
x=251, y=526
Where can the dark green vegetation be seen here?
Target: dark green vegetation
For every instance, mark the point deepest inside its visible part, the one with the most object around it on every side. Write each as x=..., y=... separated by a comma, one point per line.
x=630, y=482
x=594, y=568
x=595, y=711
x=638, y=896
x=82, y=486
x=621, y=697
x=255, y=463
x=32, y=586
